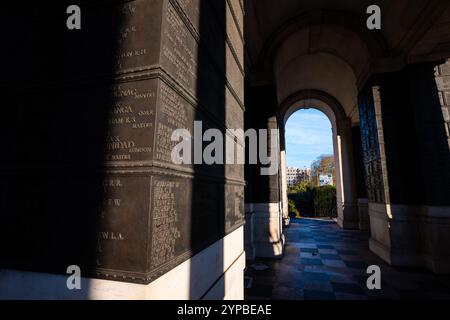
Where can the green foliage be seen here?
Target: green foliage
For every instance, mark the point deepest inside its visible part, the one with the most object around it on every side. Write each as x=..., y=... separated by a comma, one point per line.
x=301, y=187
x=308, y=201
x=293, y=212
x=325, y=201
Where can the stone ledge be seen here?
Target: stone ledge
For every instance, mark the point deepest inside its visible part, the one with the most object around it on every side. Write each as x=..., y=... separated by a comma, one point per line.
x=190, y=280
x=416, y=236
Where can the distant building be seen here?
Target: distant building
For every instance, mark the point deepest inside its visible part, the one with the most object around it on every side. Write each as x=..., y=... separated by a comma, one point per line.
x=297, y=175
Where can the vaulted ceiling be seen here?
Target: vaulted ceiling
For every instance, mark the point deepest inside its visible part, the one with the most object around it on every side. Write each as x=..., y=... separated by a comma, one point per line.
x=325, y=44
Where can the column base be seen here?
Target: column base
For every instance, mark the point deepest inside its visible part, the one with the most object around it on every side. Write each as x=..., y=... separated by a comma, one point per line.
x=268, y=239
x=363, y=213
x=348, y=216
x=248, y=233
x=381, y=250
x=415, y=236
x=273, y=250
x=223, y=279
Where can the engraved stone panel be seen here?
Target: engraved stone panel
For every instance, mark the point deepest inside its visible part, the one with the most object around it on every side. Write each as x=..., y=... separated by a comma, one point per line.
x=447, y=98
x=446, y=113
x=191, y=8
x=170, y=232
x=208, y=203
x=210, y=32
x=234, y=171
x=112, y=121
x=234, y=112
x=97, y=222
x=174, y=112
x=234, y=207
x=235, y=35
x=91, y=178
x=234, y=75
x=179, y=50
x=132, y=121
x=180, y=55
x=132, y=43
x=443, y=83
x=123, y=227
x=445, y=68
x=370, y=146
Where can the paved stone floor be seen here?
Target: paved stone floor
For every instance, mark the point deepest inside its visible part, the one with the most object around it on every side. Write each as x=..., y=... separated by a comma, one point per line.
x=324, y=262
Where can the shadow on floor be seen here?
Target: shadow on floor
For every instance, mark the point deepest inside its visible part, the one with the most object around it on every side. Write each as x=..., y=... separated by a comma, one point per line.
x=324, y=262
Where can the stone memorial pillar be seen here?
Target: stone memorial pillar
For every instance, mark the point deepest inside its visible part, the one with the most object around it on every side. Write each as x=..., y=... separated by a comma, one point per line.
x=283, y=179
x=404, y=122
x=264, y=194
x=361, y=191
x=90, y=179
x=345, y=171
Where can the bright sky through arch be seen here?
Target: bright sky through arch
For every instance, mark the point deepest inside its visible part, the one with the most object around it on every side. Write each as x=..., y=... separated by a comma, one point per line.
x=308, y=136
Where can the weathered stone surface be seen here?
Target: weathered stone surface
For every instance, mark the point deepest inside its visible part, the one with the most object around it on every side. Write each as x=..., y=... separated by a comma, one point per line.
x=131, y=123
x=93, y=157
x=133, y=42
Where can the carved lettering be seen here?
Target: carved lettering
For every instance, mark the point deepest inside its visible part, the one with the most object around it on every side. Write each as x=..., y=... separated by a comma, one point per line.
x=165, y=231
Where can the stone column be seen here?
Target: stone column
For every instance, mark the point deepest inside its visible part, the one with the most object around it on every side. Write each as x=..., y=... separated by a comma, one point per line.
x=283, y=179
x=96, y=185
x=267, y=219
x=406, y=154
x=361, y=191
x=430, y=89
x=345, y=171
x=263, y=191
x=248, y=233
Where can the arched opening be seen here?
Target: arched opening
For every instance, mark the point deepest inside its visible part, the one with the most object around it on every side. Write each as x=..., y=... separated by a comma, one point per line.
x=386, y=96
x=311, y=178
x=347, y=216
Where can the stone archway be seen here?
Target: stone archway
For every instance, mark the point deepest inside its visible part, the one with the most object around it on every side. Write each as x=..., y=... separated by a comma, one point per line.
x=318, y=65
x=342, y=149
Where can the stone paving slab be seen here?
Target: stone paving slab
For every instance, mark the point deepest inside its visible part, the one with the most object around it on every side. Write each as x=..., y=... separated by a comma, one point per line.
x=324, y=262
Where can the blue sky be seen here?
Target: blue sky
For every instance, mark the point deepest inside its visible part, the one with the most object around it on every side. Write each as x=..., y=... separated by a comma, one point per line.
x=308, y=135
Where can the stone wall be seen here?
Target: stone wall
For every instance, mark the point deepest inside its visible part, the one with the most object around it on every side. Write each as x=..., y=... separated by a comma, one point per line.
x=410, y=224
x=88, y=177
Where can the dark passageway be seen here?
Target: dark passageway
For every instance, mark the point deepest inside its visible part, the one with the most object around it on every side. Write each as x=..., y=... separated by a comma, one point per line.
x=145, y=147
x=324, y=262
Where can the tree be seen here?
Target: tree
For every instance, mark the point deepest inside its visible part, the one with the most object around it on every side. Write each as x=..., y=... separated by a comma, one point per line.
x=324, y=164
x=300, y=187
